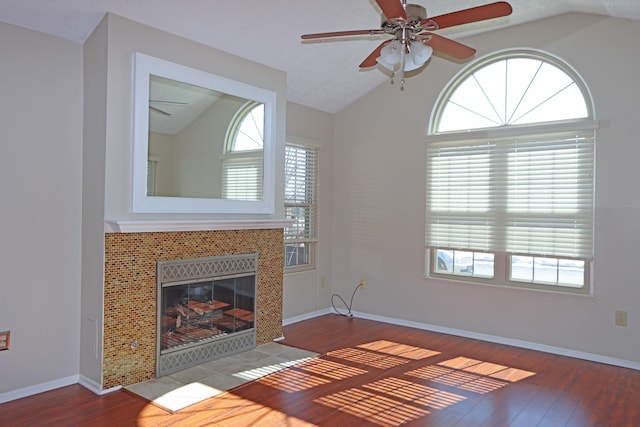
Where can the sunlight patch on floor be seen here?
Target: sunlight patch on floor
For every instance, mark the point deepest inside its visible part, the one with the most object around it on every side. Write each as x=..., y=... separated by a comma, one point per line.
x=402, y=350
x=373, y=407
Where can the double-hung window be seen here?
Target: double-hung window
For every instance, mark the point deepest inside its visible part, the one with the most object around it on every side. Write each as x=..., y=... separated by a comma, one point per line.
x=300, y=206
x=510, y=175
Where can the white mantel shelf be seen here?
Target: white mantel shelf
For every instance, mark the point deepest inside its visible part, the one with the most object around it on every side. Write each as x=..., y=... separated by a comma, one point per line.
x=150, y=225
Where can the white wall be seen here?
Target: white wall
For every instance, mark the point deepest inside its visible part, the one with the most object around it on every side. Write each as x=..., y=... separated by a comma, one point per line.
x=379, y=176
x=40, y=222
x=304, y=291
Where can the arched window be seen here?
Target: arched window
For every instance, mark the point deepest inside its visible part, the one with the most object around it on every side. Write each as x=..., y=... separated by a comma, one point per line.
x=510, y=174
x=243, y=160
x=246, y=132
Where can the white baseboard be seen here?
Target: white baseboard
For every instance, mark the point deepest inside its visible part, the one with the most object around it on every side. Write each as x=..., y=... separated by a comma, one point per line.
x=38, y=388
x=306, y=316
x=482, y=337
x=93, y=386
x=89, y=384
x=86, y=382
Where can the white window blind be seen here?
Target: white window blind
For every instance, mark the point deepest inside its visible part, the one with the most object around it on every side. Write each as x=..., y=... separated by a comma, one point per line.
x=152, y=176
x=300, y=193
x=242, y=178
x=528, y=194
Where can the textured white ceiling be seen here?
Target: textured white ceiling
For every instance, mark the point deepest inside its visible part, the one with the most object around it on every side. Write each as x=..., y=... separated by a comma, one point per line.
x=322, y=75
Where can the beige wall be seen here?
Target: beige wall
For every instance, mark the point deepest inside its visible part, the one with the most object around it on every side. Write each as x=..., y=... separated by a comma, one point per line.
x=379, y=166
x=40, y=183
x=93, y=183
x=304, y=291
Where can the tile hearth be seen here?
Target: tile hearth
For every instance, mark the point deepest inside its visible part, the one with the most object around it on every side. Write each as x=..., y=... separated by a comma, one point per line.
x=181, y=389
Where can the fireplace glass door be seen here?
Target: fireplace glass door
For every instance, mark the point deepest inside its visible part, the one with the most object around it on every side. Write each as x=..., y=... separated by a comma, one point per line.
x=201, y=311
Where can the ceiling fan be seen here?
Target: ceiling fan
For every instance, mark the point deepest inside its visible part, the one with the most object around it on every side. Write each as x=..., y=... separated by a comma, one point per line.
x=413, y=40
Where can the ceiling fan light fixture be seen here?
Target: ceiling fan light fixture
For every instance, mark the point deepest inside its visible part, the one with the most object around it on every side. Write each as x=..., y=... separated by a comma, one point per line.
x=390, y=55
x=416, y=56
x=386, y=65
x=419, y=54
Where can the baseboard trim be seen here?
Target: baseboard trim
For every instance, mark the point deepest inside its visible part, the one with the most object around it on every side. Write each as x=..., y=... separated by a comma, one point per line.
x=623, y=363
x=38, y=388
x=306, y=316
x=95, y=387
x=90, y=384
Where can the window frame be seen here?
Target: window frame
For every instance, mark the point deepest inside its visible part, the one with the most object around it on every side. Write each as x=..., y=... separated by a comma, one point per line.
x=502, y=260
x=502, y=271
x=309, y=241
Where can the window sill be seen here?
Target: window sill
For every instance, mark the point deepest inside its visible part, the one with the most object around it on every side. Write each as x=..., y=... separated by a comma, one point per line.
x=462, y=281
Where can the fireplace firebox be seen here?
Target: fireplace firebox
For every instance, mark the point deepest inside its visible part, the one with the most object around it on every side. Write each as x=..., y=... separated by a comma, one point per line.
x=206, y=310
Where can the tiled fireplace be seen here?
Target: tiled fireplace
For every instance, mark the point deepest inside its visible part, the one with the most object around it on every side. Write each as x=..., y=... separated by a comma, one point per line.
x=130, y=291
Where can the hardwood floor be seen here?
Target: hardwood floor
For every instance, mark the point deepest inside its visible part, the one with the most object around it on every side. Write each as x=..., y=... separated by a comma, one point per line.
x=377, y=374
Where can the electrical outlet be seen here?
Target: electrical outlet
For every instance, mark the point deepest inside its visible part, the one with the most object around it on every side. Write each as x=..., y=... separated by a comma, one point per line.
x=5, y=339
x=323, y=282
x=621, y=318
x=362, y=283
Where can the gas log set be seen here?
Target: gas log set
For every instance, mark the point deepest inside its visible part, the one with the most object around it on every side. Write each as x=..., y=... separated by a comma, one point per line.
x=191, y=314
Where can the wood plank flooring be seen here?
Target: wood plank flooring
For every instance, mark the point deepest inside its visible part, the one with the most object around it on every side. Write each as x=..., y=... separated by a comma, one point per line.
x=376, y=374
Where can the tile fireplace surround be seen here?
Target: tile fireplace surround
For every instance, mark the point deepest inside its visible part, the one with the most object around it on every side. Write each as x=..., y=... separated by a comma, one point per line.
x=130, y=290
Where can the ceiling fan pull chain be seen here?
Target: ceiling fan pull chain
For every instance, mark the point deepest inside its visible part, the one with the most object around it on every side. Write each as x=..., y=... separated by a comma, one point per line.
x=403, y=57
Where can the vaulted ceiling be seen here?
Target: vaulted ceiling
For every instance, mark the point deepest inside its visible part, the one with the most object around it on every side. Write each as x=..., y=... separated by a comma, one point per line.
x=320, y=74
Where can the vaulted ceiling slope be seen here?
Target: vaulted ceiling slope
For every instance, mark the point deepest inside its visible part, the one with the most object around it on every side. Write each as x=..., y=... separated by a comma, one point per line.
x=322, y=75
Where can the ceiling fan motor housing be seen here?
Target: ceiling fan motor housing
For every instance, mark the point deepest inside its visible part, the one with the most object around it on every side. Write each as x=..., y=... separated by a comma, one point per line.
x=415, y=13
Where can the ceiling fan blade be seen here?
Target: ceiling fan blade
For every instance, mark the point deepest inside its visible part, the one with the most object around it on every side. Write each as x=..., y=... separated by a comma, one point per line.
x=392, y=9
x=474, y=14
x=371, y=59
x=157, y=101
x=157, y=110
x=341, y=34
x=449, y=47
